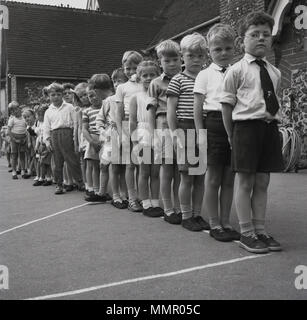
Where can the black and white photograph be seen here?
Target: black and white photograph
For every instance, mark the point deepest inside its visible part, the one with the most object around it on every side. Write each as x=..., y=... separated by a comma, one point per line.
x=153, y=153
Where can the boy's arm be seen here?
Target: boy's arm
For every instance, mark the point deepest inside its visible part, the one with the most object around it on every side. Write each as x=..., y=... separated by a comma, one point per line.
x=152, y=105
x=172, y=102
x=46, y=131
x=132, y=115
x=227, y=120
x=198, y=114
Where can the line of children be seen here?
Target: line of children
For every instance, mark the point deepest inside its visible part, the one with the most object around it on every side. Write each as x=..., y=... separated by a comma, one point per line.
x=235, y=105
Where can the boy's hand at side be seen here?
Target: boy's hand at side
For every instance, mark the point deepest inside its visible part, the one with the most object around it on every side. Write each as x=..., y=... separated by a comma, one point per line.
x=48, y=145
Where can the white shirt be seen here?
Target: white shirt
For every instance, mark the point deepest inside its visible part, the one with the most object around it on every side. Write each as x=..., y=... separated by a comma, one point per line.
x=209, y=82
x=242, y=89
x=58, y=117
x=125, y=91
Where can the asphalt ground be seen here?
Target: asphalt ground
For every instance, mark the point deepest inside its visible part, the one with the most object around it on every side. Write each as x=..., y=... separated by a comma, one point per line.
x=59, y=247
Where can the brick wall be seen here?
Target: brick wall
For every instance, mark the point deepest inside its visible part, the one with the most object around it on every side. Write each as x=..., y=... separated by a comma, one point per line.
x=232, y=10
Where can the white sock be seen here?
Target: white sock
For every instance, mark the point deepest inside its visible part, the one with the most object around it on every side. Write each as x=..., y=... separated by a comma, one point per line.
x=146, y=203
x=155, y=203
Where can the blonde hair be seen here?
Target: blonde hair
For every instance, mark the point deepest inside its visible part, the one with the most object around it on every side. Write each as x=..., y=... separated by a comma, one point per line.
x=168, y=48
x=13, y=105
x=54, y=86
x=193, y=42
x=221, y=31
x=132, y=57
x=81, y=86
x=146, y=64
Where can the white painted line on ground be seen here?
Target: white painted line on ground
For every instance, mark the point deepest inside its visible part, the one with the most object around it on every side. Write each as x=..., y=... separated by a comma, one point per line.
x=44, y=218
x=152, y=277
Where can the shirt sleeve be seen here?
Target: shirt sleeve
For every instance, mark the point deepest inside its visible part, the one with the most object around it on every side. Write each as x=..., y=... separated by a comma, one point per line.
x=119, y=95
x=230, y=87
x=46, y=127
x=174, y=87
x=201, y=83
x=100, y=118
x=85, y=117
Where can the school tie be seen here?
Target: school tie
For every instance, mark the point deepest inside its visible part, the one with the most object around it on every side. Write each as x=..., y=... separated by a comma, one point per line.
x=223, y=69
x=270, y=98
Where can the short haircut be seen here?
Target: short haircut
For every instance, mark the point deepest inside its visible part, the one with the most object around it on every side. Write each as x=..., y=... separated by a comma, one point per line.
x=100, y=81
x=255, y=18
x=28, y=110
x=118, y=73
x=54, y=86
x=168, y=48
x=68, y=85
x=193, y=42
x=81, y=86
x=222, y=32
x=132, y=57
x=145, y=64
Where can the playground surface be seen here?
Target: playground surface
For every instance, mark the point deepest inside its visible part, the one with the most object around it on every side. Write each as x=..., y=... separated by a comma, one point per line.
x=60, y=247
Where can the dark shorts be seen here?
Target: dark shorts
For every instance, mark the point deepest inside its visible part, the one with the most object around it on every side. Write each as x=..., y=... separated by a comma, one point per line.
x=256, y=147
x=219, y=152
x=188, y=154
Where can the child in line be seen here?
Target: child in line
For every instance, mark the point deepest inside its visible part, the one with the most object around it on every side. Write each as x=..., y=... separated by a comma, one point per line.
x=139, y=127
x=81, y=102
x=68, y=97
x=30, y=118
x=6, y=145
x=124, y=92
x=44, y=175
x=103, y=86
x=99, y=88
x=219, y=178
x=251, y=113
x=180, y=115
x=59, y=122
x=168, y=53
x=106, y=124
x=17, y=131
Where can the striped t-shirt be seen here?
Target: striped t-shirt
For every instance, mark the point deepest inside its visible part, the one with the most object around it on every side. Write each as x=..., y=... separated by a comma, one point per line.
x=89, y=116
x=182, y=86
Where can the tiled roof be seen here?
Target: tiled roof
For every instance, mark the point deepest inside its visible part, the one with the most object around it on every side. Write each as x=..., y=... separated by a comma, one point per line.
x=182, y=15
x=139, y=8
x=65, y=42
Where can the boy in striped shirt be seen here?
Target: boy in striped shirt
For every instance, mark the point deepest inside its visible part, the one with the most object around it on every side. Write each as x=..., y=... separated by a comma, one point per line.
x=180, y=115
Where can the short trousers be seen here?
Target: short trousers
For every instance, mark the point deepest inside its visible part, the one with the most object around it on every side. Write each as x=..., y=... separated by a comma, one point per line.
x=21, y=146
x=256, y=147
x=219, y=151
x=187, y=155
x=90, y=152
